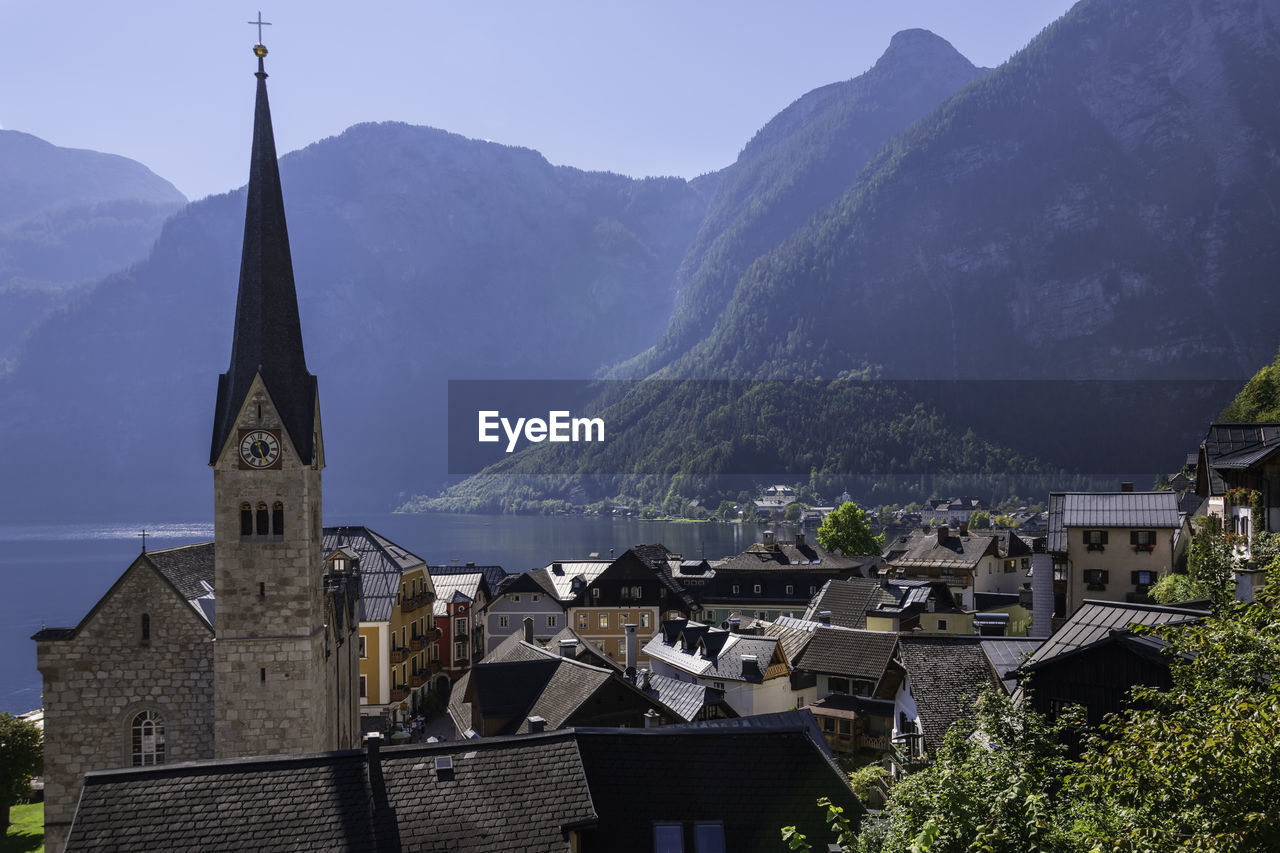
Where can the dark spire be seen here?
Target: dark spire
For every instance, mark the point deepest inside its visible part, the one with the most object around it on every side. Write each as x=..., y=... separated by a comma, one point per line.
x=268, y=333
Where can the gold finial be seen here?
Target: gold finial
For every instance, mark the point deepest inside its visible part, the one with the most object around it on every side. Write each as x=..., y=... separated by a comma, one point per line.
x=258, y=49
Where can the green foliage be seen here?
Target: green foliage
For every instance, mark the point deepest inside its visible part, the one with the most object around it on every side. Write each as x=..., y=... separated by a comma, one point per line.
x=1259, y=400
x=846, y=529
x=21, y=757
x=1211, y=563
x=980, y=520
x=794, y=511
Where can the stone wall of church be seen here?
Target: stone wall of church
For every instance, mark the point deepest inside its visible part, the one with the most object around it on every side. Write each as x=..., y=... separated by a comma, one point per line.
x=98, y=680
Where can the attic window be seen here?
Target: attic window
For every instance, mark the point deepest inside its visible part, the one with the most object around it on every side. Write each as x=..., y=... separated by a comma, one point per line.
x=444, y=768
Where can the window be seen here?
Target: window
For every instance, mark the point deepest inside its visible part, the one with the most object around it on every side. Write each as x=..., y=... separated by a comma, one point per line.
x=503, y=622
x=246, y=520
x=1143, y=540
x=718, y=685
x=846, y=728
x=535, y=597
x=364, y=684
x=515, y=597
x=813, y=590
x=668, y=838
x=625, y=620
x=551, y=621
x=460, y=626
x=942, y=624
x=146, y=629
x=364, y=652
x=1096, y=578
x=791, y=589
x=604, y=620
x=644, y=620
x=263, y=520
x=636, y=592
x=1142, y=581
x=1095, y=540
x=277, y=519
x=736, y=589
x=708, y=837
x=838, y=685
x=1010, y=566
x=147, y=739
x=595, y=592
x=756, y=589
x=459, y=652
x=583, y=621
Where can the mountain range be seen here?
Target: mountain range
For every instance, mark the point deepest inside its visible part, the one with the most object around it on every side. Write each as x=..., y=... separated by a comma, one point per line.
x=1096, y=208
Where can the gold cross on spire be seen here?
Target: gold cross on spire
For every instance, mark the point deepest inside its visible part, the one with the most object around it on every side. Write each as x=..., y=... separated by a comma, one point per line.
x=259, y=24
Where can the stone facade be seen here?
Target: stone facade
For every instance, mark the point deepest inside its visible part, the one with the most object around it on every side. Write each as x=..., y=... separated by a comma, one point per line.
x=100, y=675
x=285, y=677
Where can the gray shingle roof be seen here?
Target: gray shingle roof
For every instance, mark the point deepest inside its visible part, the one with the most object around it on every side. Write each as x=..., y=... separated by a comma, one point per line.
x=1008, y=653
x=946, y=673
x=514, y=793
x=847, y=652
x=849, y=600
x=185, y=567
x=686, y=700
x=726, y=665
x=922, y=550
x=382, y=562
x=786, y=555
x=1096, y=620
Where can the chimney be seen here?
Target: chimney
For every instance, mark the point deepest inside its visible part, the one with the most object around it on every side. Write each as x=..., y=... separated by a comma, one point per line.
x=768, y=539
x=528, y=629
x=943, y=532
x=964, y=528
x=825, y=617
x=799, y=540
x=651, y=719
x=537, y=724
x=633, y=646
x=568, y=648
x=377, y=785
x=1126, y=487
x=1041, y=595
x=735, y=625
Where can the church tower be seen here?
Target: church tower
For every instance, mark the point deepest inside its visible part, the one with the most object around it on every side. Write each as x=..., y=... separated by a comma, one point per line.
x=285, y=666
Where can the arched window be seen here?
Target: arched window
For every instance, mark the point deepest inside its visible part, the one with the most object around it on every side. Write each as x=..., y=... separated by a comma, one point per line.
x=147, y=733
x=277, y=519
x=246, y=520
x=146, y=628
x=263, y=520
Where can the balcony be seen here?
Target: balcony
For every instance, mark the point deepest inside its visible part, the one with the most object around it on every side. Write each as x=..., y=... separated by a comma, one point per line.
x=432, y=634
x=462, y=663
x=417, y=679
x=416, y=644
x=399, y=694
x=397, y=655
x=408, y=605
x=433, y=666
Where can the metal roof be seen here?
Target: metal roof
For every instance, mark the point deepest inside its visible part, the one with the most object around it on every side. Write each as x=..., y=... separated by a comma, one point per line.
x=382, y=562
x=1095, y=621
x=1109, y=509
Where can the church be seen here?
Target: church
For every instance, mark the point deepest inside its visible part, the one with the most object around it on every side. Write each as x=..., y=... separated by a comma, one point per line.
x=246, y=645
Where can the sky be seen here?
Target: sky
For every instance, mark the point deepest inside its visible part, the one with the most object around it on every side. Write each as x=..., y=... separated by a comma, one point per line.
x=650, y=87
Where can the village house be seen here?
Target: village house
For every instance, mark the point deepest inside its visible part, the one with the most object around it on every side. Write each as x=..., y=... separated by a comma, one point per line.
x=774, y=502
x=461, y=594
x=1095, y=658
x=586, y=790
x=528, y=595
x=1238, y=475
x=968, y=561
x=774, y=578
x=396, y=626
x=889, y=604
x=751, y=672
x=1112, y=546
x=953, y=511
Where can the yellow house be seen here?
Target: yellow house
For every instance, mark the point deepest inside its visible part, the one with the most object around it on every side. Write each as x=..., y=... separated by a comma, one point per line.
x=396, y=627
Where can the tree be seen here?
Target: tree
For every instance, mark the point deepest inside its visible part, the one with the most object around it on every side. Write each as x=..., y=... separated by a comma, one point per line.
x=846, y=529
x=21, y=757
x=794, y=511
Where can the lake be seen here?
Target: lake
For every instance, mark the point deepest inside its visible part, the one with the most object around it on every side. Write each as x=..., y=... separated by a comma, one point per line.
x=56, y=572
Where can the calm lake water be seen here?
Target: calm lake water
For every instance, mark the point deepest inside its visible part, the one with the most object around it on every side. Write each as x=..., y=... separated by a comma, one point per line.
x=54, y=573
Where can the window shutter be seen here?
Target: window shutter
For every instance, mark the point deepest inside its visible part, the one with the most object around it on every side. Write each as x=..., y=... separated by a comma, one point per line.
x=1104, y=537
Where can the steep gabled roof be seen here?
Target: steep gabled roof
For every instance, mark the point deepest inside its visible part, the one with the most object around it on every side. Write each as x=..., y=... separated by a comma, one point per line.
x=382, y=565
x=946, y=674
x=848, y=652
x=268, y=331
x=1095, y=621
x=923, y=550
x=849, y=600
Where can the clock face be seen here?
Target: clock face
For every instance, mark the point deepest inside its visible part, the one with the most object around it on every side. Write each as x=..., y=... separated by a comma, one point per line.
x=259, y=449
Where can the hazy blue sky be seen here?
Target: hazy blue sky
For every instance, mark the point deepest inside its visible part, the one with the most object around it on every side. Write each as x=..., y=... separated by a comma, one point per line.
x=650, y=87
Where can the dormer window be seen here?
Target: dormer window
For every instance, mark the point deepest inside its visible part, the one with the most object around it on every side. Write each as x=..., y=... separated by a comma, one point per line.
x=339, y=564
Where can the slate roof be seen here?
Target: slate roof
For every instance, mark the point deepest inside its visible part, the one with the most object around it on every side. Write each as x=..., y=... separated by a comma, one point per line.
x=1007, y=654
x=382, y=564
x=793, y=634
x=185, y=567
x=493, y=575
x=585, y=651
x=511, y=793
x=1095, y=621
x=562, y=573
x=449, y=586
x=787, y=555
x=946, y=674
x=685, y=699
x=849, y=652
x=922, y=550
x=849, y=600
x=268, y=331
x=725, y=665
x=534, y=580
